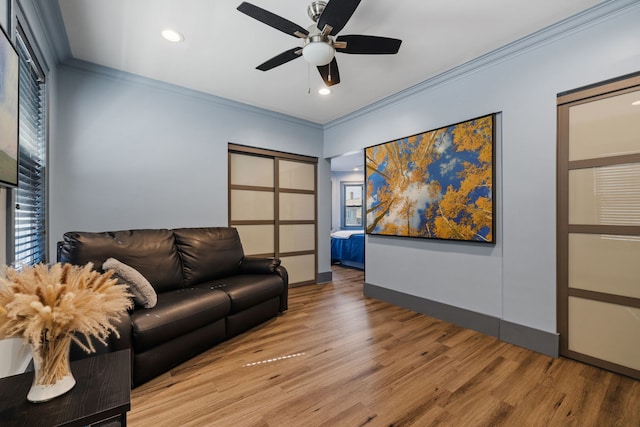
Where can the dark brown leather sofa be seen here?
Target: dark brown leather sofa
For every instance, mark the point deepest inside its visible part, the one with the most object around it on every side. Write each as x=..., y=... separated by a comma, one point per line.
x=207, y=290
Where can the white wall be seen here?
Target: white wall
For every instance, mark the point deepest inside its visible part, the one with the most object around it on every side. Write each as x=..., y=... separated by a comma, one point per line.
x=133, y=153
x=336, y=206
x=514, y=280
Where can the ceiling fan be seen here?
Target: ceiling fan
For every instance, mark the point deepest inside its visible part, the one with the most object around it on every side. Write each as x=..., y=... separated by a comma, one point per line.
x=320, y=40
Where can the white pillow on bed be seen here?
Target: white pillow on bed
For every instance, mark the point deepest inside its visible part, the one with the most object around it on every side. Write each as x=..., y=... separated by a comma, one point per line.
x=142, y=291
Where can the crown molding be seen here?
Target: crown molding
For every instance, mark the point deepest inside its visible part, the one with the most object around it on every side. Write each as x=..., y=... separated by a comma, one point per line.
x=48, y=13
x=50, y=18
x=123, y=76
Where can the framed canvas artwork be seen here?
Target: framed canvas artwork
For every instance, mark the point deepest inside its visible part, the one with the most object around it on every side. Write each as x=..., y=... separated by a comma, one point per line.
x=435, y=185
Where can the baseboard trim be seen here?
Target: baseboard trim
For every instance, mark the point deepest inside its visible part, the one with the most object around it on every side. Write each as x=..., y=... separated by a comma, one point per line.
x=324, y=277
x=513, y=333
x=469, y=319
x=534, y=339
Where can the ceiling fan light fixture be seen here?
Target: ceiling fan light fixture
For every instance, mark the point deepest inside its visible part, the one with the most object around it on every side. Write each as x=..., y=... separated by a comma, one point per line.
x=324, y=91
x=321, y=41
x=318, y=53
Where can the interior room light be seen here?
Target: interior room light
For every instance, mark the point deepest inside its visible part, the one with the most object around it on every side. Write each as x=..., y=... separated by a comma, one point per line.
x=172, y=35
x=318, y=53
x=636, y=102
x=324, y=91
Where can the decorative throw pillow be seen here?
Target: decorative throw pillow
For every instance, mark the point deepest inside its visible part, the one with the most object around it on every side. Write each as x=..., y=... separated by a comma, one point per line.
x=143, y=292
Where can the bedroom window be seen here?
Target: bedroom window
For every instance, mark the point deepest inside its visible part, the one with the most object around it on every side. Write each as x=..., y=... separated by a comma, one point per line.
x=352, y=210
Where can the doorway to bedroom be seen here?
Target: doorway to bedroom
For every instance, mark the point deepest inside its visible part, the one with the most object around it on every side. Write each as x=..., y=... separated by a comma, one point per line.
x=347, y=214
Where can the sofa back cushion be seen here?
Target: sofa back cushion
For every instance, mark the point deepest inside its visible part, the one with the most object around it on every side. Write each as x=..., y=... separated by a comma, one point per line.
x=151, y=252
x=208, y=253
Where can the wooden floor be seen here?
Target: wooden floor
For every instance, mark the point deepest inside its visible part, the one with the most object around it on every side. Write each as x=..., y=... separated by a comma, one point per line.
x=339, y=359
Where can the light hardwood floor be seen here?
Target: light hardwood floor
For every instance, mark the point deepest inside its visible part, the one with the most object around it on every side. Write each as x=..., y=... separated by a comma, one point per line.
x=339, y=359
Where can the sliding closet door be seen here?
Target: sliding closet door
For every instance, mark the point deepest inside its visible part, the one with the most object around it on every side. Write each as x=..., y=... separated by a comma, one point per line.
x=297, y=219
x=252, y=202
x=599, y=226
x=272, y=203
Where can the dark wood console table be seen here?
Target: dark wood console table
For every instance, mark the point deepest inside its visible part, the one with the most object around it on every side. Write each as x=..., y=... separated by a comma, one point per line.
x=102, y=392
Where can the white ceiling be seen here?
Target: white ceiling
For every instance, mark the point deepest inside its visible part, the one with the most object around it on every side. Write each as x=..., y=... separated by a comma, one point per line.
x=222, y=46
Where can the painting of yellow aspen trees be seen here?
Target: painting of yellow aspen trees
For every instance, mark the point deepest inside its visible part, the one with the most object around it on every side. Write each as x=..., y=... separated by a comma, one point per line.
x=435, y=185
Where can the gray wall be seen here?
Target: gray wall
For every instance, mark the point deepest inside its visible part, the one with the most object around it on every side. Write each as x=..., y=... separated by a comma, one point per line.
x=515, y=280
x=133, y=153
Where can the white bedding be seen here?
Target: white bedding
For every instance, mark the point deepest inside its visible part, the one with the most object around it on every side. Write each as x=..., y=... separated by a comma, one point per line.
x=345, y=234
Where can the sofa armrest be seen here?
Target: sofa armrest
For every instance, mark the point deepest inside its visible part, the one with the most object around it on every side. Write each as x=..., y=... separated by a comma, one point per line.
x=284, y=298
x=268, y=266
x=250, y=265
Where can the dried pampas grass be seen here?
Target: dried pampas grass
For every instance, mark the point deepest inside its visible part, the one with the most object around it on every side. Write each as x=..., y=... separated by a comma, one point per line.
x=49, y=305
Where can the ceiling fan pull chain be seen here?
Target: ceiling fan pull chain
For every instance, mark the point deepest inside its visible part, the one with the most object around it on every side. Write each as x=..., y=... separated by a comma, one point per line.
x=308, y=78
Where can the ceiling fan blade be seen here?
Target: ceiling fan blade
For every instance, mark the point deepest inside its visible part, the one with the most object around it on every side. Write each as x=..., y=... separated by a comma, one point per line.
x=273, y=20
x=330, y=73
x=336, y=14
x=277, y=60
x=369, y=45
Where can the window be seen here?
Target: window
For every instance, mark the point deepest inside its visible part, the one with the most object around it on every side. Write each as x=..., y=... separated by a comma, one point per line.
x=352, y=205
x=30, y=212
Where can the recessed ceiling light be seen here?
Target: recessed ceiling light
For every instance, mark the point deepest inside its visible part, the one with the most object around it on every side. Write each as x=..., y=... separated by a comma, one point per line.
x=636, y=102
x=324, y=91
x=172, y=35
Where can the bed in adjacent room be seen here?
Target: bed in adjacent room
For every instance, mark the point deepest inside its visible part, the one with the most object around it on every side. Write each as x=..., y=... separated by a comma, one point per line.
x=347, y=248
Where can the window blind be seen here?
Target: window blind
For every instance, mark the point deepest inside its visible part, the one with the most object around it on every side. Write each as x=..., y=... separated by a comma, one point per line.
x=30, y=212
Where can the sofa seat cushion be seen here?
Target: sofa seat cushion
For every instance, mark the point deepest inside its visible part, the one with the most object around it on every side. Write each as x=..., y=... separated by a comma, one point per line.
x=247, y=290
x=177, y=313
